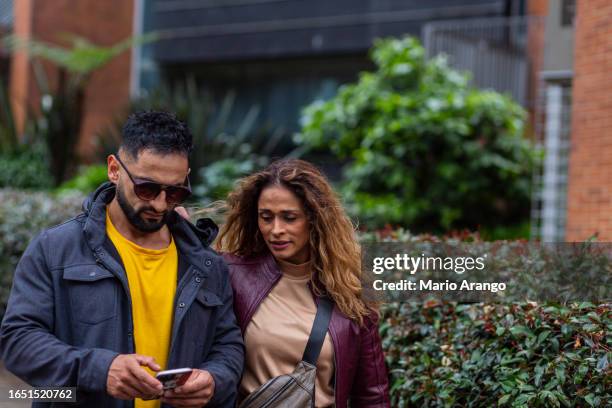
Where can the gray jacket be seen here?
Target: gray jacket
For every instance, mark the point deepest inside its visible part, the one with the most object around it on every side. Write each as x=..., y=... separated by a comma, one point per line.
x=69, y=313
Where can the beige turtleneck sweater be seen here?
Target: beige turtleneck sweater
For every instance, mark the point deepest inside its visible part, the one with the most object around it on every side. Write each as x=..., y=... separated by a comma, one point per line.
x=276, y=337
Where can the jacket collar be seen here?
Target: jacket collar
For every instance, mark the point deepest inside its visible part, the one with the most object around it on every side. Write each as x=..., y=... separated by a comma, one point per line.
x=190, y=240
x=269, y=267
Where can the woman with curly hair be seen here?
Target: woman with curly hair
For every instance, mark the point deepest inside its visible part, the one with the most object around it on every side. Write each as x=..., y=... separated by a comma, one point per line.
x=288, y=242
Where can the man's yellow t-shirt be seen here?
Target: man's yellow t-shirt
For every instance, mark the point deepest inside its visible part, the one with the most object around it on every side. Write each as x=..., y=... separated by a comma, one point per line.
x=152, y=275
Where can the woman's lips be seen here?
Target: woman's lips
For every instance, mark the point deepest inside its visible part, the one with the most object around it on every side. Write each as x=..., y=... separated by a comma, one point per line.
x=279, y=245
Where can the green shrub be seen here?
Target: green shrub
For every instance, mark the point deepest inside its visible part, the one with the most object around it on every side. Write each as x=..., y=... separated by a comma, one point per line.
x=88, y=179
x=438, y=354
x=425, y=150
x=25, y=168
x=519, y=355
x=522, y=354
x=224, y=140
x=22, y=216
x=61, y=106
x=219, y=178
x=24, y=162
x=9, y=139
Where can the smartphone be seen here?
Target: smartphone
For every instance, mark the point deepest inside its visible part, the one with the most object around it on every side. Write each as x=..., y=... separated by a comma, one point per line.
x=173, y=378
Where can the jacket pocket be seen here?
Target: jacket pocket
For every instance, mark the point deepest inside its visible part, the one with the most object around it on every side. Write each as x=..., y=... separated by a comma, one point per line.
x=93, y=293
x=201, y=322
x=208, y=299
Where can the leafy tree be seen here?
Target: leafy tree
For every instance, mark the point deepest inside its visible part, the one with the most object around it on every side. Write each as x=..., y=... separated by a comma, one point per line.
x=227, y=145
x=9, y=140
x=424, y=149
x=23, y=162
x=62, y=109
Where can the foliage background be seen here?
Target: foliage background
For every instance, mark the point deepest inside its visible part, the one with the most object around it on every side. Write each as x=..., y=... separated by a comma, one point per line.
x=226, y=146
x=519, y=355
x=438, y=354
x=424, y=150
x=23, y=215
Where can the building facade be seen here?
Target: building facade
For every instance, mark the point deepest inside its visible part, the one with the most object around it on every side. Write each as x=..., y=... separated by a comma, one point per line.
x=282, y=54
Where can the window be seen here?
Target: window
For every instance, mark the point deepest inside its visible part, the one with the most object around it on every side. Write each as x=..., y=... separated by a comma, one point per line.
x=568, y=12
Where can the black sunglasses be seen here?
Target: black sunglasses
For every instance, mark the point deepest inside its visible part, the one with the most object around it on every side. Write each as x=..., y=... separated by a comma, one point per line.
x=149, y=190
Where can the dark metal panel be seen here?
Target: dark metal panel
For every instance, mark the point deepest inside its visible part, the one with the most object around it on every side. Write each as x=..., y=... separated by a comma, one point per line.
x=6, y=13
x=286, y=44
x=207, y=30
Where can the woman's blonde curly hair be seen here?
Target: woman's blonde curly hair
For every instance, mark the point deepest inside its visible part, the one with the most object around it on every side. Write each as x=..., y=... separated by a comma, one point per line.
x=335, y=252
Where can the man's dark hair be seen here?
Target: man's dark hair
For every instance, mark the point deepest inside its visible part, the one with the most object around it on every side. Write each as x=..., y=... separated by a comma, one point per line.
x=158, y=131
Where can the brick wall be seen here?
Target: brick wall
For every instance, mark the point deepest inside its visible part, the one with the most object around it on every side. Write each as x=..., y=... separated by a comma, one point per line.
x=20, y=88
x=590, y=168
x=102, y=22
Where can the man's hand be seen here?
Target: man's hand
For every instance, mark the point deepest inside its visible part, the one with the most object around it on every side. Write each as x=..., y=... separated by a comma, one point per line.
x=196, y=392
x=128, y=380
x=182, y=212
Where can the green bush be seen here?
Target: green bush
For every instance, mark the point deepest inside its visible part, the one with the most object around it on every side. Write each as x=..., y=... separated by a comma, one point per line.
x=225, y=143
x=88, y=179
x=219, y=178
x=24, y=162
x=438, y=354
x=519, y=355
x=425, y=150
x=25, y=168
x=522, y=354
x=61, y=106
x=22, y=216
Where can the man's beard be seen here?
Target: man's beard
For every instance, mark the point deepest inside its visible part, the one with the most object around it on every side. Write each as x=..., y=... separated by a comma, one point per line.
x=134, y=217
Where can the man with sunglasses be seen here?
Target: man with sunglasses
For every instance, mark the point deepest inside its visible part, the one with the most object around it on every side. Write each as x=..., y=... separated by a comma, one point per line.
x=127, y=288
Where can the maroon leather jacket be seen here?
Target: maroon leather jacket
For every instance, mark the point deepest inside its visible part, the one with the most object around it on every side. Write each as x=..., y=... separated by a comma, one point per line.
x=360, y=375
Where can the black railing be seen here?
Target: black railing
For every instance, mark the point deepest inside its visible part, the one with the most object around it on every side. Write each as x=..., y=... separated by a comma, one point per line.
x=493, y=50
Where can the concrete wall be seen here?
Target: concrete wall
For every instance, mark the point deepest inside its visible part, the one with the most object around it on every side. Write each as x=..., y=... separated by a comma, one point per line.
x=559, y=44
x=217, y=31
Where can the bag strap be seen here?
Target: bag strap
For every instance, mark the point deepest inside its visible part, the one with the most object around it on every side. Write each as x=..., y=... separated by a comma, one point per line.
x=318, y=331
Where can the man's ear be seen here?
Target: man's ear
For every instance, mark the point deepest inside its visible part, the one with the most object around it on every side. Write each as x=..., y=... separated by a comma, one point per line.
x=112, y=167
